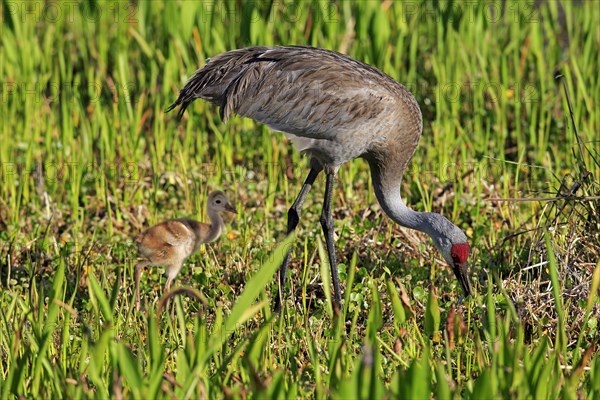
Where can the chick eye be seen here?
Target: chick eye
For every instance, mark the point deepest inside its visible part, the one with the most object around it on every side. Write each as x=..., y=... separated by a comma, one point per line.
x=218, y=201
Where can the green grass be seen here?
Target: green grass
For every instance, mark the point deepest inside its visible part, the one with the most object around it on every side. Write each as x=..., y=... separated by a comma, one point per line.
x=89, y=159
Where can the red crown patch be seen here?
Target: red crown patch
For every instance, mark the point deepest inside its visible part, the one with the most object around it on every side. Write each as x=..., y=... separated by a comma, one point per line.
x=460, y=253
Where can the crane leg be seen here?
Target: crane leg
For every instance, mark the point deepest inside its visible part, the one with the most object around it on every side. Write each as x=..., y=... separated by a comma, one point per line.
x=293, y=219
x=327, y=225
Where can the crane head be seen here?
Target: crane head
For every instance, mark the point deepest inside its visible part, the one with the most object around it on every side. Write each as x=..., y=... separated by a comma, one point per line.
x=459, y=253
x=451, y=241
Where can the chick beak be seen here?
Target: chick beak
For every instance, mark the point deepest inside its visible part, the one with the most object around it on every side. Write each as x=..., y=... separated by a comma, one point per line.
x=230, y=208
x=461, y=273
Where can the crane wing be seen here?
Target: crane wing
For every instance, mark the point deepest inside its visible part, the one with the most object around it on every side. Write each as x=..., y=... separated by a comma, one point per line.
x=170, y=233
x=304, y=91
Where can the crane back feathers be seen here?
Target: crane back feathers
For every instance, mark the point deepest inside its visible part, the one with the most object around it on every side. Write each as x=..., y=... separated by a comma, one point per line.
x=232, y=78
x=329, y=105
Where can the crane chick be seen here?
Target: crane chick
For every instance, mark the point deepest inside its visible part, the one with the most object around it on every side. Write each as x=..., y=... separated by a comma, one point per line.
x=169, y=243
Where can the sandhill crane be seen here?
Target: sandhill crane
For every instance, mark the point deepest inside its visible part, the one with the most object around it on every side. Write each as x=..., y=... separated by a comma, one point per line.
x=334, y=109
x=169, y=243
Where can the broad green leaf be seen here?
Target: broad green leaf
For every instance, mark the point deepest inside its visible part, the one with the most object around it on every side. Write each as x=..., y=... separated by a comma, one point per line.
x=130, y=370
x=325, y=276
x=399, y=313
x=256, y=284
x=485, y=386
x=442, y=388
x=99, y=299
x=561, y=339
x=432, y=316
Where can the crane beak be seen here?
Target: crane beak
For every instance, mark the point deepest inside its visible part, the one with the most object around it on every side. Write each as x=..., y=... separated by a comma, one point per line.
x=230, y=208
x=461, y=271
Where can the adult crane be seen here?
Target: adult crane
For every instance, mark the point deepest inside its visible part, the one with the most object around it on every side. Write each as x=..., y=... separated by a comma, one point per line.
x=332, y=108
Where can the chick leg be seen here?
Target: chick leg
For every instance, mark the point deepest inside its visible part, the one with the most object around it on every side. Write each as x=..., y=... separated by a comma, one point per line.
x=172, y=271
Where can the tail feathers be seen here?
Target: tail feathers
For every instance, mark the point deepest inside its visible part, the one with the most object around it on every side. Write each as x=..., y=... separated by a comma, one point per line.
x=181, y=100
x=172, y=106
x=210, y=83
x=215, y=80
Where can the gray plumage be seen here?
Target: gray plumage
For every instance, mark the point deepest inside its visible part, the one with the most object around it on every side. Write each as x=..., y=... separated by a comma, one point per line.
x=334, y=109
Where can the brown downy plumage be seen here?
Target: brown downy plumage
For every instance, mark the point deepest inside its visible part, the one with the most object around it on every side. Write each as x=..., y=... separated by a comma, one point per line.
x=169, y=243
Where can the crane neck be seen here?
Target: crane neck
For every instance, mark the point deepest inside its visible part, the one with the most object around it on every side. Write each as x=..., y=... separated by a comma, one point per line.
x=386, y=184
x=216, y=226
